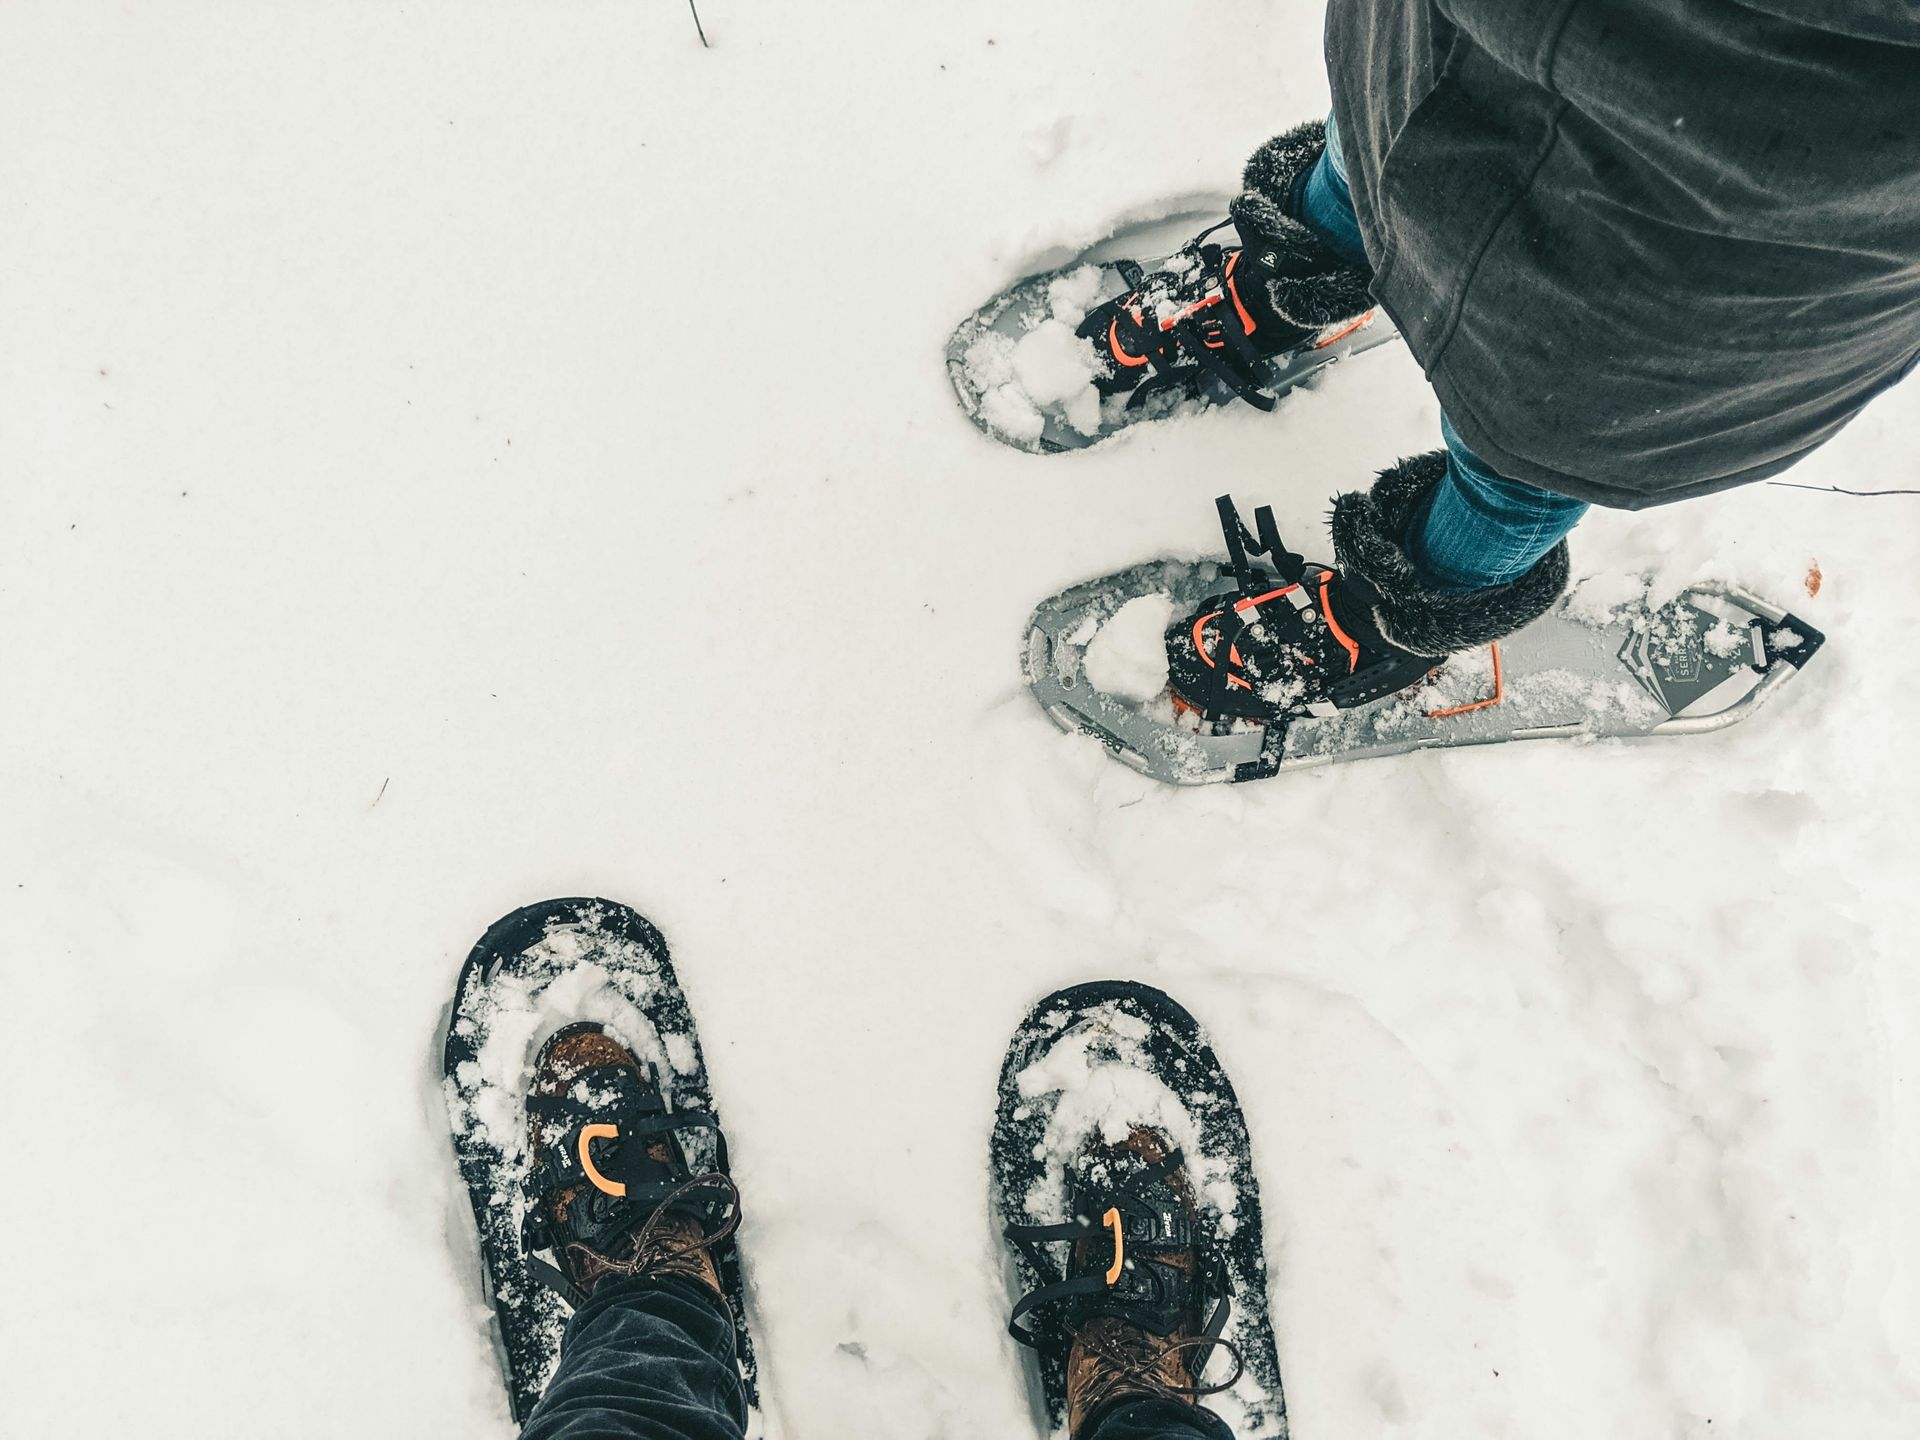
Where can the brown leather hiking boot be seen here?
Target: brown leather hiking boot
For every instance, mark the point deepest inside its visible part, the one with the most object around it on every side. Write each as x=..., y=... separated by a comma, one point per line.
x=1142, y=1298
x=610, y=1189
x=1113, y=1360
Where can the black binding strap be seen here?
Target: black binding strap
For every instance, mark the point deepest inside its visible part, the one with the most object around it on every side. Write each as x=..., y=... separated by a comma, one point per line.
x=1182, y=353
x=1231, y=364
x=1242, y=543
x=1148, y=1228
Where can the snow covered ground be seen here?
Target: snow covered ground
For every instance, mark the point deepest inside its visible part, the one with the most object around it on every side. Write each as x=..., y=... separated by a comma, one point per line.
x=457, y=454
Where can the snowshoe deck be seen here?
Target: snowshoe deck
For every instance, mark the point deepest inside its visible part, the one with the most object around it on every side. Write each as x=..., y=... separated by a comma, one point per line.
x=538, y=969
x=1705, y=660
x=1115, y=1022
x=996, y=379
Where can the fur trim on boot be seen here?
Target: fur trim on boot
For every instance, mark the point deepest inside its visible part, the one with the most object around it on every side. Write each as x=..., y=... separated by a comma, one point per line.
x=1369, y=531
x=1315, y=287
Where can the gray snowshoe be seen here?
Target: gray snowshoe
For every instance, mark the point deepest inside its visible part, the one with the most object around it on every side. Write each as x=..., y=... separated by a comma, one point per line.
x=1070, y=356
x=1701, y=661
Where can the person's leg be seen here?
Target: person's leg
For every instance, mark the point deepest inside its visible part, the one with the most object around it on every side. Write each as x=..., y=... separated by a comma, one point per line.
x=1322, y=202
x=646, y=1358
x=1156, y=1419
x=635, y=1249
x=1481, y=529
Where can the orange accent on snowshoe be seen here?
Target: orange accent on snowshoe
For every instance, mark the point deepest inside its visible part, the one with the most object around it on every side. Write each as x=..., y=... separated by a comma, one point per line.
x=1193, y=309
x=1343, y=331
x=1200, y=649
x=1249, y=603
x=1346, y=641
x=1233, y=289
x=1499, y=692
x=588, y=1134
x=1200, y=637
x=1112, y=1221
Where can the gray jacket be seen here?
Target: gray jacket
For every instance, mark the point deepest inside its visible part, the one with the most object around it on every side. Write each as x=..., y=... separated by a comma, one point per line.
x=1644, y=249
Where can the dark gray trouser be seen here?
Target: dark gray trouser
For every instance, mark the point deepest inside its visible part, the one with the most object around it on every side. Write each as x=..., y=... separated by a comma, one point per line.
x=652, y=1359
x=645, y=1359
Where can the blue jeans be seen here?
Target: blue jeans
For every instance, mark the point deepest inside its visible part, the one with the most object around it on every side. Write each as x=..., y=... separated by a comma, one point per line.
x=649, y=1359
x=1479, y=528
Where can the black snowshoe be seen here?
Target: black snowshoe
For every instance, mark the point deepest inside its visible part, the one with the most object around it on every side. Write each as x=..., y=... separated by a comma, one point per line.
x=1128, y=1277
x=586, y=1148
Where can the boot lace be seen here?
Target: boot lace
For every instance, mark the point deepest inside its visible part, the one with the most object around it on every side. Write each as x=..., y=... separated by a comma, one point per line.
x=1127, y=1360
x=652, y=1252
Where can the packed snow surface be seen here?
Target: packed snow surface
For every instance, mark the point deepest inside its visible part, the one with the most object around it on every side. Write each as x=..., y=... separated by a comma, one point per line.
x=460, y=455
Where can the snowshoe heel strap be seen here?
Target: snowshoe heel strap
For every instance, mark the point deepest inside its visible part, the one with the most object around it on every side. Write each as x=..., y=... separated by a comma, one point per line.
x=1264, y=539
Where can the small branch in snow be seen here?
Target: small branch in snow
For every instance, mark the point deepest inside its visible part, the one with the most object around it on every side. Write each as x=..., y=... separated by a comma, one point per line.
x=1838, y=489
x=698, y=26
x=383, y=791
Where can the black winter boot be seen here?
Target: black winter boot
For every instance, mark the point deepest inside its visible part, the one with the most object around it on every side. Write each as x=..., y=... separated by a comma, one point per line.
x=1230, y=314
x=1309, y=285
x=1370, y=545
x=1299, y=638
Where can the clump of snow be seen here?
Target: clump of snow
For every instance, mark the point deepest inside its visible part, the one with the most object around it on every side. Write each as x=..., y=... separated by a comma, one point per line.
x=1055, y=369
x=1100, y=1086
x=1127, y=658
x=1004, y=405
x=1071, y=295
x=1725, y=639
x=1047, y=142
x=1046, y=370
x=1600, y=600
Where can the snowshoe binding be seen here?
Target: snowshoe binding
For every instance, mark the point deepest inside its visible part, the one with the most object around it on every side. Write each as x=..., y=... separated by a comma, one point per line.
x=1297, y=638
x=1138, y=1266
x=609, y=1190
x=1070, y=356
x=1205, y=326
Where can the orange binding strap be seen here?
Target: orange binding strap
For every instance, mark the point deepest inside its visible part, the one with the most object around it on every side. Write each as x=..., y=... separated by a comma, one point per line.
x=1200, y=637
x=1113, y=344
x=588, y=1134
x=1233, y=289
x=1499, y=692
x=1112, y=1221
x=1194, y=309
x=1342, y=332
x=1346, y=641
x=1250, y=602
